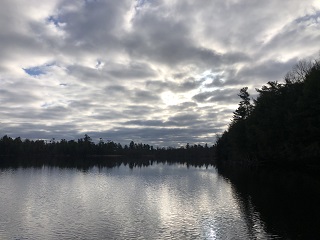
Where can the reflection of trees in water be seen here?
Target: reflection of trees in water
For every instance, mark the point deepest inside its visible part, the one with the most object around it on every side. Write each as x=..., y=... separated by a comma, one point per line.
x=285, y=203
x=255, y=225
x=88, y=162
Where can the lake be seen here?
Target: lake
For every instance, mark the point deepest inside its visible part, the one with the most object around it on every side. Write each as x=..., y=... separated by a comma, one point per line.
x=160, y=201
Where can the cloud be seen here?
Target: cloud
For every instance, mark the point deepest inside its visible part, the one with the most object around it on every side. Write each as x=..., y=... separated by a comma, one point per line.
x=164, y=72
x=216, y=96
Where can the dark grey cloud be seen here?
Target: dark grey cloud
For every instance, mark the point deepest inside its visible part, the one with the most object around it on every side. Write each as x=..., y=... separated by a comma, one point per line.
x=217, y=96
x=92, y=25
x=188, y=84
x=185, y=105
x=158, y=85
x=271, y=70
x=149, y=123
x=187, y=120
x=17, y=96
x=141, y=110
x=131, y=70
x=142, y=96
x=45, y=114
x=166, y=39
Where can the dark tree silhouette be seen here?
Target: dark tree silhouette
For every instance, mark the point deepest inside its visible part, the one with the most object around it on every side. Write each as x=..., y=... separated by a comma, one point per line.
x=281, y=128
x=84, y=153
x=245, y=106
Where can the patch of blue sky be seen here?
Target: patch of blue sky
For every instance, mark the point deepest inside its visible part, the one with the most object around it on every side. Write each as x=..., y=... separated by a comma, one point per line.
x=37, y=70
x=34, y=71
x=55, y=20
x=141, y=3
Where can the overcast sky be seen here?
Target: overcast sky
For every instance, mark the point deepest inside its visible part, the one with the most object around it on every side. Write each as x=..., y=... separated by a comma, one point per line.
x=163, y=72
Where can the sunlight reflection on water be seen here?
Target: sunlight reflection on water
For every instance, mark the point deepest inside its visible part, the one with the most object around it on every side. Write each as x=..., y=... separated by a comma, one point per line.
x=155, y=202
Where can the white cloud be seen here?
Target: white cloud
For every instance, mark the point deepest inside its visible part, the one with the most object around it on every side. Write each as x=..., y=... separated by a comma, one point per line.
x=74, y=67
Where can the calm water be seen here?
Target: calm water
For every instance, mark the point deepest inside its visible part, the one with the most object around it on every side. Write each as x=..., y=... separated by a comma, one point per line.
x=155, y=202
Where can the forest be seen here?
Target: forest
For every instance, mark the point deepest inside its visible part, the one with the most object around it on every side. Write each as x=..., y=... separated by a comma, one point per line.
x=281, y=127
x=84, y=153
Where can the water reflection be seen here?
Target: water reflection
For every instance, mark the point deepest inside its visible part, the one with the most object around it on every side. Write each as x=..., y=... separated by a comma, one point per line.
x=284, y=204
x=155, y=202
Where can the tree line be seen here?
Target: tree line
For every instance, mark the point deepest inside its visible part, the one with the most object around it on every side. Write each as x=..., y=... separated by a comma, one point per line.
x=84, y=151
x=280, y=127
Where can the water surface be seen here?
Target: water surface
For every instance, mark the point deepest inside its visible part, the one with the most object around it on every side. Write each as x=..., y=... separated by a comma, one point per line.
x=156, y=202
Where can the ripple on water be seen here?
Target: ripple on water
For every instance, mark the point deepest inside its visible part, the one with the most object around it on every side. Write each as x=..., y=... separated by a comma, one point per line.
x=160, y=202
